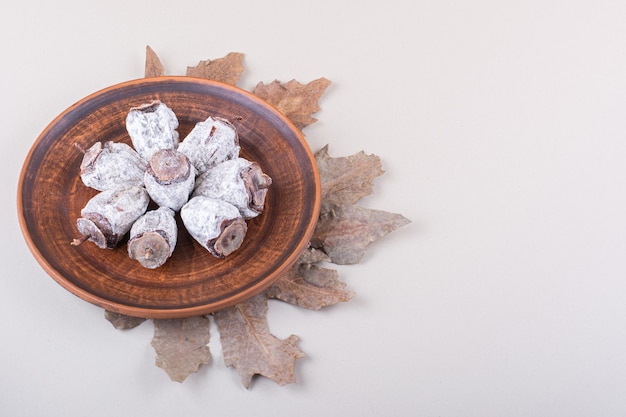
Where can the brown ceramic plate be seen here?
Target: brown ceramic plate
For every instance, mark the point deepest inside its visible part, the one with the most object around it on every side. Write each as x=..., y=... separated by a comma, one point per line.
x=192, y=282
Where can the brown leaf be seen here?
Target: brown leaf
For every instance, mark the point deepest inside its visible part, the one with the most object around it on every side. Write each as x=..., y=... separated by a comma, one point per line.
x=345, y=180
x=345, y=231
x=312, y=255
x=308, y=285
x=296, y=101
x=122, y=321
x=248, y=345
x=154, y=68
x=227, y=69
x=181, y=345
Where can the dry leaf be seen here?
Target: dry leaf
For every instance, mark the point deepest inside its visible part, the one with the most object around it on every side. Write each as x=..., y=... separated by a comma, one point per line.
x=296, y=101
x=312, y=255
x=181, y=345
x=154, y=68
x=122, y=321
x=248, y=345
x=345, y=231
x=308, y=285
x=227, y=69
x=345, y=180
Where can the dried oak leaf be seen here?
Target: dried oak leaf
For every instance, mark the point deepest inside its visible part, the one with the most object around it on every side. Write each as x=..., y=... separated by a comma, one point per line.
x=227, y=69
x=248, y=345
x=122, y=321
x=295, y=100
x=181, y=345
x=344, y=232
x=154, y=68
x=346, y=179
x=308, y=285
x=313, y=255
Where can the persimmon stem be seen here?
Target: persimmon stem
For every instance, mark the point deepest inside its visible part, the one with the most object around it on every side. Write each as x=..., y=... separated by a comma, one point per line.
x=80, y=147
x=77, y=242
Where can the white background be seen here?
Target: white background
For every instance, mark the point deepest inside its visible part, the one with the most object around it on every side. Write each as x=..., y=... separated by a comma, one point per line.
x=501, y=130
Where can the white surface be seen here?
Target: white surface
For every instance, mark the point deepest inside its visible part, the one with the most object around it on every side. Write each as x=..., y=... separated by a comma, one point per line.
x=501, y=129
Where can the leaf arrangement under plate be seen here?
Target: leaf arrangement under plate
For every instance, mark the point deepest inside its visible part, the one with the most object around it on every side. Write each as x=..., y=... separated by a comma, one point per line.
x=343, y=232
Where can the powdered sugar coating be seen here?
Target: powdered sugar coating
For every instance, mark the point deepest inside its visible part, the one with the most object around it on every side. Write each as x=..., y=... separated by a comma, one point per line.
x=203, y=218
x=116, y=210
x=152, y=127
x=210, y=142
x=151, y=240
x=112, y=166
x=225, y=182
x=120, y=207
x=171, y=192
x=160, y=220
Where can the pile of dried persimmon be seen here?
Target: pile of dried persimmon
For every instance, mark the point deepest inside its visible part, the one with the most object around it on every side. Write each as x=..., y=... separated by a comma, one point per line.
x=203, y=178
x=343, y=232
